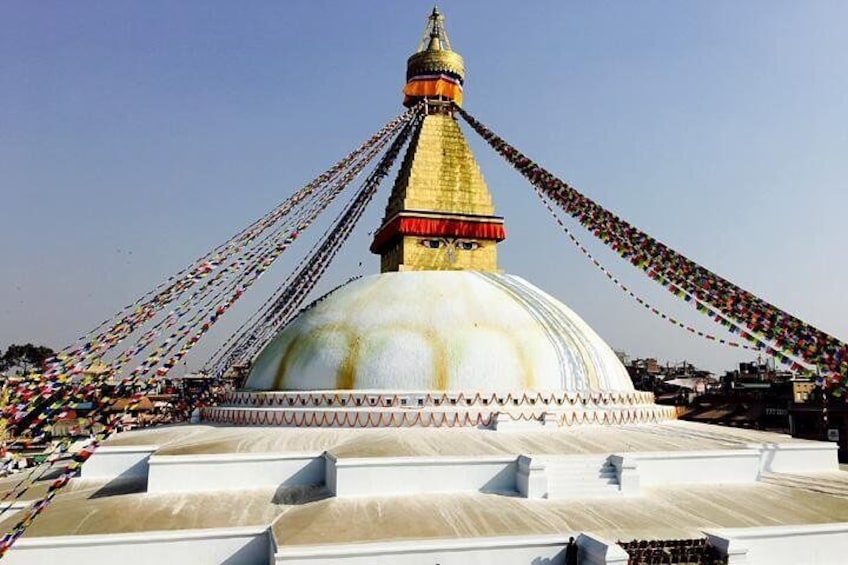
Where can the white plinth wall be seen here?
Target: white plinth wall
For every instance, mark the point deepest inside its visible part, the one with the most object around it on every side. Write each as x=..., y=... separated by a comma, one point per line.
x=233, y=546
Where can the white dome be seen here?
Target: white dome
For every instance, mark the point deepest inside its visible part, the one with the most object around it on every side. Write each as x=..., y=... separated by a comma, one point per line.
x=439, y=330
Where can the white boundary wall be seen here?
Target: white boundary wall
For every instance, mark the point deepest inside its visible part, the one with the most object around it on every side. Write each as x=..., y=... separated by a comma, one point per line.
x=518, y=550
x=636, y=470
x=822, y=544
x=120, y=461
x=798, y=457
x=233, y=471
x=597, y=551
x=379, y=476
x=233, y=546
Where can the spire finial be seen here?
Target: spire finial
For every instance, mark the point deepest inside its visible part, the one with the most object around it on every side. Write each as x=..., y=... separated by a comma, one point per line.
x=435, y=37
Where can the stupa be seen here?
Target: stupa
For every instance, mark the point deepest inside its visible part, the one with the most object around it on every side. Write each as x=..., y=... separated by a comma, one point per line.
x=441, y=336
x=442, y=412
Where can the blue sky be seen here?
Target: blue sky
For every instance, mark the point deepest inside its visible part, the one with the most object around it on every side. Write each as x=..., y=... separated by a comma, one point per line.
x=134, y=136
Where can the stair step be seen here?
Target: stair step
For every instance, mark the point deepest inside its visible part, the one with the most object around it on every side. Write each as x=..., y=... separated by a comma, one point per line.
x=582, y=488
x=560, y=481
x=579, y=485
x=587, y=478
x=584, y=491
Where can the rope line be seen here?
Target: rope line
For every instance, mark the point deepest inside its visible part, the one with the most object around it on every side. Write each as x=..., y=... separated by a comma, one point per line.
x=641, y=301
x=790, y=336
x=295, y=289
x=66, y=377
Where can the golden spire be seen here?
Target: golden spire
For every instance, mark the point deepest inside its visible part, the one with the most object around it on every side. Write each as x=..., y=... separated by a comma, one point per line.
x=440, y=214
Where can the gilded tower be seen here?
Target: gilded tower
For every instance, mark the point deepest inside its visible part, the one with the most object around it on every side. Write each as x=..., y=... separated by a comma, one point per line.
x=440, y=214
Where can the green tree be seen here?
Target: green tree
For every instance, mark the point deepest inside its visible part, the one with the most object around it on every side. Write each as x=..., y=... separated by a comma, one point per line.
x=25, y=357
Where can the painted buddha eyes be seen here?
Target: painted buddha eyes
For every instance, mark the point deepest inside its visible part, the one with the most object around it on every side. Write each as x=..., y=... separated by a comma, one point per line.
x=432, y=243
x=460, y=244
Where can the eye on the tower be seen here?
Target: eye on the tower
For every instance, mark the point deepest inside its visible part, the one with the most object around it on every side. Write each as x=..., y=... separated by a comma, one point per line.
x=431, y=243
x=467, y=244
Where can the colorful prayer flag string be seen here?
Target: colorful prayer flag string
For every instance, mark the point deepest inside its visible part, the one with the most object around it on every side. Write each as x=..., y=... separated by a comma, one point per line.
x=790, y=336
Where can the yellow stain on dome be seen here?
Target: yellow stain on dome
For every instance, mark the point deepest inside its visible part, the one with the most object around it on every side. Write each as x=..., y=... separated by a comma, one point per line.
x=302, y=343
x=346, y=376
x=306, y=345
x=529, y=376
x=440, y=360
x=280, y=375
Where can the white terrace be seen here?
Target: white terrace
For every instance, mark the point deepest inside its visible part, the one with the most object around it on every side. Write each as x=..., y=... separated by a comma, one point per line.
x=423, y=495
